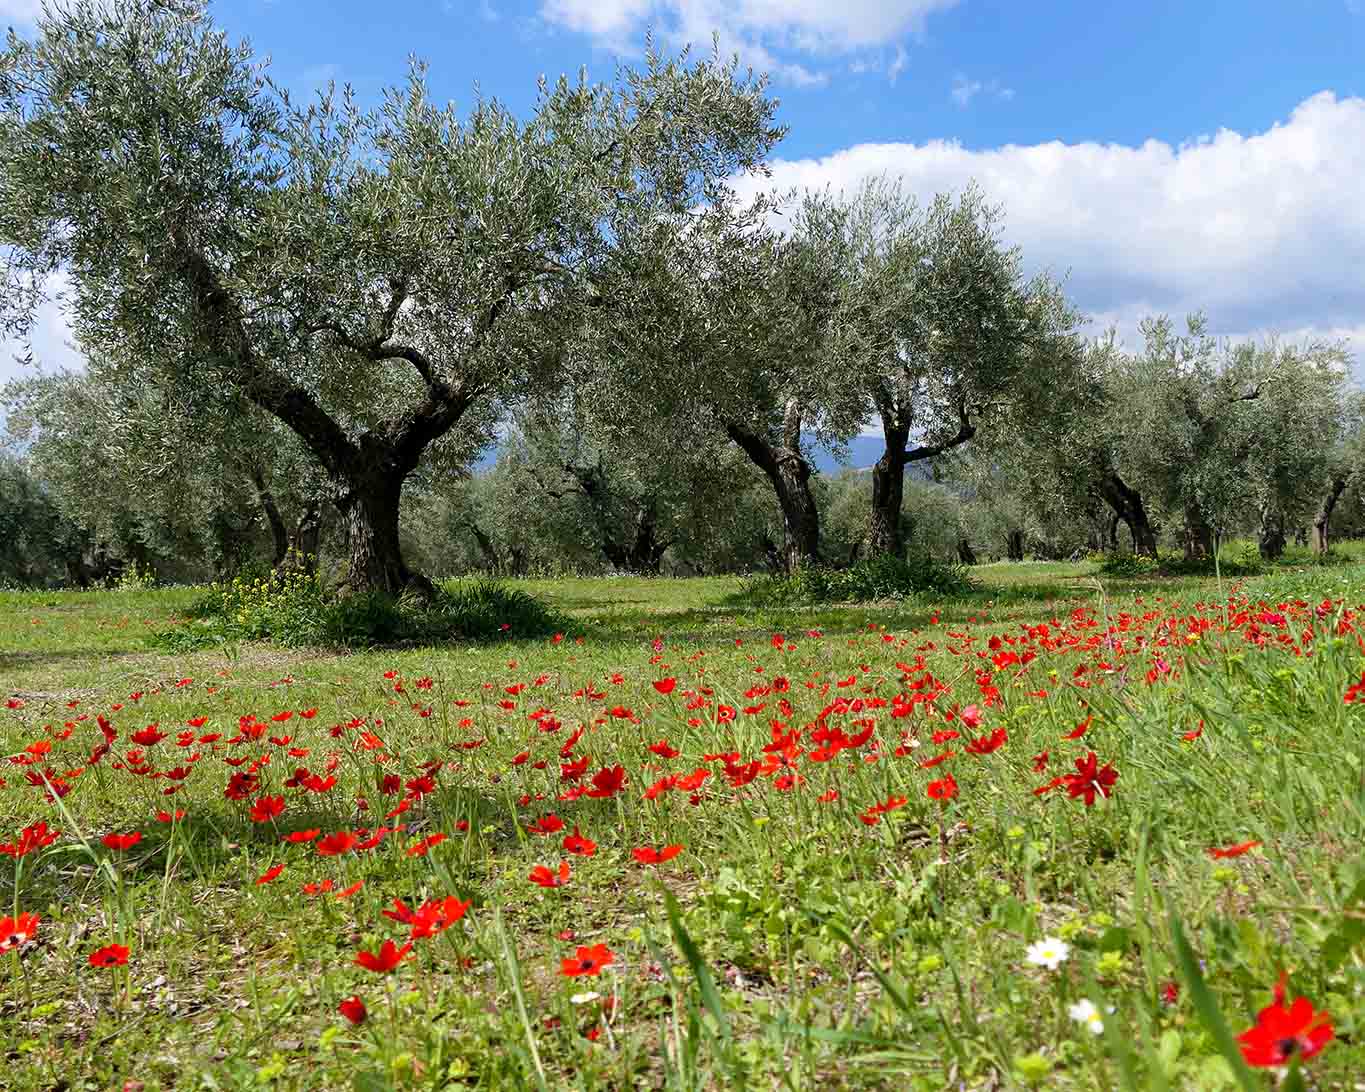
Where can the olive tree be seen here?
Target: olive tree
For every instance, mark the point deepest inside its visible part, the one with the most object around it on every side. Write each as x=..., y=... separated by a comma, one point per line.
x=381, y=281
x=946, y=335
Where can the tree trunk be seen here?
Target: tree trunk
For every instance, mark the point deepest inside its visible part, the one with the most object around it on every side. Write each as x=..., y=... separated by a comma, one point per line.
x=1198, y=534
x=965, y=553
x=307, y=537
x=1322, y=522
x=376, y=559
x=1014, y=545
x=647, y=551
x=1300, y=535
x=492, y=563
x=789, y=472
x=1127, y=505
x=278, y=532
x=884, y=531
x=1111, y=534
x=1272, y=537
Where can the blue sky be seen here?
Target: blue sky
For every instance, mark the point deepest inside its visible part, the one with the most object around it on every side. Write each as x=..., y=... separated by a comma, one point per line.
x=1162, y=156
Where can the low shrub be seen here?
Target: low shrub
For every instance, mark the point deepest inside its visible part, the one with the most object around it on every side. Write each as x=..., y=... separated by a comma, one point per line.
x=294, y=610
x=885, y=577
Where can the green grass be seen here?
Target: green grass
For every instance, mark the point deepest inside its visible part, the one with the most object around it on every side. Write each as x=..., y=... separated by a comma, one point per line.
x=790, y=943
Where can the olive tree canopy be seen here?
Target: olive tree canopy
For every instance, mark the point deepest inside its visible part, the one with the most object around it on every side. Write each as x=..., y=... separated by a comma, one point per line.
x=381, y=281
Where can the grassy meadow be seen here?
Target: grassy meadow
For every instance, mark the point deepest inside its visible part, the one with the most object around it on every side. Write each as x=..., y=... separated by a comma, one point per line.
x=687, y=844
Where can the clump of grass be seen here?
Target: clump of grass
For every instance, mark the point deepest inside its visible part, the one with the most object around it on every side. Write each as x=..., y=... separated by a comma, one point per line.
x=876, y=579
x=294, y=610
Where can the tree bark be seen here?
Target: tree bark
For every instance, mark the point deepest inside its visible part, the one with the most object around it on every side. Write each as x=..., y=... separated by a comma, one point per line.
x=884, y=534
x=1014, y=545
x=1127, y=505
x=1322, y=522
x=278, y=532
x=307, y=537
x=965, y=553
x=885, y=529
x=1198, y=533
x=789, y=472
x=369, y=471
x=1272, y=538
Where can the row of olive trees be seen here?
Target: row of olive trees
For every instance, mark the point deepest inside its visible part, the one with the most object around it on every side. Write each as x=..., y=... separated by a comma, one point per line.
x=293, y=312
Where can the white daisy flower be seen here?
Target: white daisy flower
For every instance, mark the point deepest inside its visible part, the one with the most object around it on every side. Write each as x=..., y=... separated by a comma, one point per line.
x=1085, y=1012
x=1048, y=952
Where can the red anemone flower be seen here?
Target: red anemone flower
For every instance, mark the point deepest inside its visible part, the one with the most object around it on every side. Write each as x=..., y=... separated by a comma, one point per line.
x=1232, y=851
x=121, y=842
x=665, y=686
x=577, y=843
x=353, y=1009
x=648, y=855
x=16, y=932
x=1091, y=779
x=607, y=782
x=335, y=843
x=111, y=955
x=1284, y=1032
x=543, y=877
x=386, y=959
x=269, y=874
x=588, y=961
x=944, y=789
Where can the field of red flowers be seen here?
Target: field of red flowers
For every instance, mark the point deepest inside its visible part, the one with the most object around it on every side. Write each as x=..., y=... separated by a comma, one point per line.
x=1095, y=842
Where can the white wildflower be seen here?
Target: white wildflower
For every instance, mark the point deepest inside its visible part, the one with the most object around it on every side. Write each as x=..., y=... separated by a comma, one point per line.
x=1048, y=952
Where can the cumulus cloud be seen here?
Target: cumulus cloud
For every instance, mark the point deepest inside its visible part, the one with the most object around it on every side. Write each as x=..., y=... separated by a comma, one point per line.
x=1262, y=231
x=762, y=32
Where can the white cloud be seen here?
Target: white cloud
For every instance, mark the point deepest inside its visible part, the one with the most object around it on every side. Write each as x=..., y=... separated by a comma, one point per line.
x=964, y=90
x=21, y=11
x=897, y=65
x=1261, y=231
x=758, y=30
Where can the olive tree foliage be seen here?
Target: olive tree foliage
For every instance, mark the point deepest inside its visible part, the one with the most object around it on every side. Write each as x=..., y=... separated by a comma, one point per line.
x=381, y=281
x=562, y=498
x=190, y=477
x=729, y=336
x=1225, y=436
x=39, y=547
x=943, y=331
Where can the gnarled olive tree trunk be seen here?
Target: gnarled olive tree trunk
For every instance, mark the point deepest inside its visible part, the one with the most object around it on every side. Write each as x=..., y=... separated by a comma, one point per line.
x=1322, y=522
x=790, y=473
x=1127, y=505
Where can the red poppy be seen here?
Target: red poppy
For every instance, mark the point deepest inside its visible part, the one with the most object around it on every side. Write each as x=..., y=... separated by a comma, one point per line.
x=267, y=808
x=353, y=1009
x=1232, y=851
x=170, y=817
x=607, y=782
x=987, y=744
x=945, y=788
x=663, y=749
x=386, y=959
x=35, y=836
x=588, y=961
x=577, y=843
x=430, y=842
x=270, y=874
x=548, y=824
x=665, y=686
x=111, y=955
x=435, y=916
x=543, y=877
x=1091, y=779
x=122, y=842
x=1080, y=729
x=648, y=855
x=1284, y=1032
x=16, y=932
x=335, y=843
x=296, y=836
